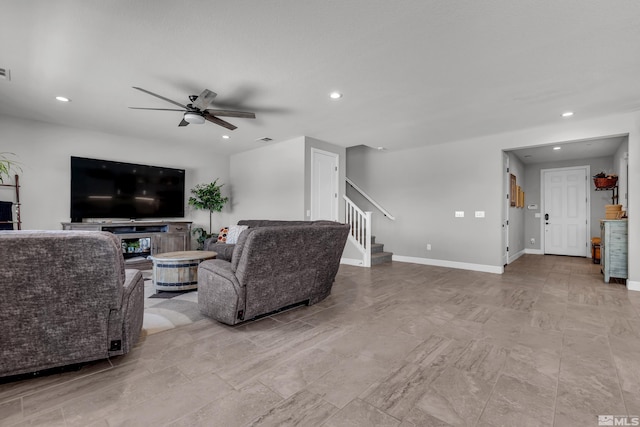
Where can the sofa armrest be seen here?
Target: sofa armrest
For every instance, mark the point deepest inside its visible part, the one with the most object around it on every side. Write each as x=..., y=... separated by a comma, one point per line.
x=132, y=308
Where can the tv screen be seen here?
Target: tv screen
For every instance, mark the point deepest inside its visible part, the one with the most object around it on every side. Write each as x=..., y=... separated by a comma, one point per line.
x=107, y=189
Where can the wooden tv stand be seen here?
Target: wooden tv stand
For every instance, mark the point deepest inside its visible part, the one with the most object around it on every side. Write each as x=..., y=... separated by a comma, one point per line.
x=141, y=239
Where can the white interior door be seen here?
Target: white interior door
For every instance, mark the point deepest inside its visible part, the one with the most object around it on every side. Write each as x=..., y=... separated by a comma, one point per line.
x=565, y=211
x=324, y=185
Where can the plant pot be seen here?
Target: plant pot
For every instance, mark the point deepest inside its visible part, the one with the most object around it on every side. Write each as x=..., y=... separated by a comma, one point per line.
x=609, y=182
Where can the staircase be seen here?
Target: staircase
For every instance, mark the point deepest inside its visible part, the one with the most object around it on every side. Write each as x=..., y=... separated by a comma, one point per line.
x=378, y=255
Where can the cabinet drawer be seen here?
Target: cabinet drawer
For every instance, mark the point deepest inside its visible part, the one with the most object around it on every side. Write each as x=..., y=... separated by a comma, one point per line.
x=179, y=228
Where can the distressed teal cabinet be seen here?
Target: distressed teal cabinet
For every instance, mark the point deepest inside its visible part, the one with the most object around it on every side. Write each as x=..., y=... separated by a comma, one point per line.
x=613, y=248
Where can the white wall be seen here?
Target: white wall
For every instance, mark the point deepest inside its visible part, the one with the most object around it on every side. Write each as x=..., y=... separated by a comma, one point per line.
x=45, y=150
x=620, y=168
x=423, y=187
x=269, y=182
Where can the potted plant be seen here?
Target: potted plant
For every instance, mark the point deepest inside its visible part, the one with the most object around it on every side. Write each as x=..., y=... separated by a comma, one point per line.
x=207, y=197
x=7, y=165
x=602, y=180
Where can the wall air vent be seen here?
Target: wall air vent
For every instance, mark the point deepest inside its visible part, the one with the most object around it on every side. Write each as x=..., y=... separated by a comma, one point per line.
x=5, y=74
x=265, y=139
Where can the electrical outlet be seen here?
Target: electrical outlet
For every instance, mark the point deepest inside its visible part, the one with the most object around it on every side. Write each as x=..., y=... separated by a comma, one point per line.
x=459, y=214
x=533, y=241
x=428, y=246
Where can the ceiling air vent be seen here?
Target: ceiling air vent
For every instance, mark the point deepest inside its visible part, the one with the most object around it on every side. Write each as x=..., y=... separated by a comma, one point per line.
x=265, y=139
x=5, y=74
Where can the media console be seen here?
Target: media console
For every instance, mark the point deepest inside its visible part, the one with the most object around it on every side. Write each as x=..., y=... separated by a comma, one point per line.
x=141, y=239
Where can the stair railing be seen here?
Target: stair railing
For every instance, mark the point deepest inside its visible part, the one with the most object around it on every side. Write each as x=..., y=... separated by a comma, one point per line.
x=360, y=234
x=373, y=202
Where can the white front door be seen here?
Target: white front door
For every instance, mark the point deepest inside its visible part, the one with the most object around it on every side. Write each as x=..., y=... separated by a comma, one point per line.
x=565, y=211
x=324, y=185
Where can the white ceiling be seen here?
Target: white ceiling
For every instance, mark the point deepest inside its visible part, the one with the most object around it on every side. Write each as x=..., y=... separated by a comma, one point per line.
x=575, y=150
x=413, y=72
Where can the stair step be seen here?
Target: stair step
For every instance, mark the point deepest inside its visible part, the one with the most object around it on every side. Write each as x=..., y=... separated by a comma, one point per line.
x=377, y=247
x=381, y=257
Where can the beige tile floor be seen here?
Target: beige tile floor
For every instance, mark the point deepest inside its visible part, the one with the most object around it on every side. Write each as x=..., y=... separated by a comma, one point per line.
x=546, y=343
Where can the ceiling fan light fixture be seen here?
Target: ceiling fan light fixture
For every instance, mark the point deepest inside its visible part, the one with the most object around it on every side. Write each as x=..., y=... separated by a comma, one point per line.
x=194, y=118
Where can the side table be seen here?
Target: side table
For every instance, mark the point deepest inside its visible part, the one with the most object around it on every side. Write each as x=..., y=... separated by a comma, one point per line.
x=178, y=271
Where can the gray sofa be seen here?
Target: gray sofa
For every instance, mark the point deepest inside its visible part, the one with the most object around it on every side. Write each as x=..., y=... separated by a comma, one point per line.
x=272, y=267
x=66, y=299
x=225, y=250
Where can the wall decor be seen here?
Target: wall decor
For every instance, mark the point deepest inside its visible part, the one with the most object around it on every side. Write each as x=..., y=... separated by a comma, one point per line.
x=513, y=195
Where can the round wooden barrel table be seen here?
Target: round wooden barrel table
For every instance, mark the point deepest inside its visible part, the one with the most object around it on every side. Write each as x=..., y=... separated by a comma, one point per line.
x=178, y=271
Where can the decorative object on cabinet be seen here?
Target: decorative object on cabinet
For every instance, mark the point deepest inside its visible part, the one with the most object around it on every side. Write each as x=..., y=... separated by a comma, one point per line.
x=613, y=248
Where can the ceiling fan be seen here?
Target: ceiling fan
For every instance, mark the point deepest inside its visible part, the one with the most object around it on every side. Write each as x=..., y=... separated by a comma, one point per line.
x=197, y=112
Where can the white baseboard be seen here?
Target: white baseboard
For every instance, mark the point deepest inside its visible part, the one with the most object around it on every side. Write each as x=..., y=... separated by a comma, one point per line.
x=534, y=251
x=352, y=261
x=632, y=285
x=450, y=264
x=516, y=256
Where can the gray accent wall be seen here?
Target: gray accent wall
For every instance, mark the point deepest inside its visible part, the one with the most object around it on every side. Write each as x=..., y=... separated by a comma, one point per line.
x=517, y=215
x=423, y=187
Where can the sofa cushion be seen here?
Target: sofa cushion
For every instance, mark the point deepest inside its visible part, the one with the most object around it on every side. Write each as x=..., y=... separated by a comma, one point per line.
x=234, y=233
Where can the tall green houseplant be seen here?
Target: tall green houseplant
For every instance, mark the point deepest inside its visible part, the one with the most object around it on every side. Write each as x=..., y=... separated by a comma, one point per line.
x=208, y=197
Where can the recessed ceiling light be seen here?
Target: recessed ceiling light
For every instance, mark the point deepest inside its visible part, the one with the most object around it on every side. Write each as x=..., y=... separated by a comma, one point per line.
x=567, y=114
x=335, y=95
x=62, y=99
x=557, y=148
x=225, y=137
x=380, y=148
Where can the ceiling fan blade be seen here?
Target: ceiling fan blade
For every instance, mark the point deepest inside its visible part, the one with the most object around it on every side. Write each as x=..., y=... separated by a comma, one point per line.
x=204, y=99
x=156, y=109
x=231, y=113
x=183, y=123
x=161, y=97
x=218, y=121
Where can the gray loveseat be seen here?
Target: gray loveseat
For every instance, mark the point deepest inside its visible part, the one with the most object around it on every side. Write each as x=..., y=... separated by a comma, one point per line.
x=66, y=299
x=225, y=250
x=272, y=267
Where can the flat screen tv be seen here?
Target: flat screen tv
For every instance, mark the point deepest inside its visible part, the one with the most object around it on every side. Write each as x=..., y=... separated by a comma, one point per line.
x=116, y=190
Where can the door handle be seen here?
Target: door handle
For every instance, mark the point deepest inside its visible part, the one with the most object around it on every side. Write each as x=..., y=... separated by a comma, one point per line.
x=546, y=217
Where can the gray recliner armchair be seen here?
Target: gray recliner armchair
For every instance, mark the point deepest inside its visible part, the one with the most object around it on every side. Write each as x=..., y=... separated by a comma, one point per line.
x=272, y=267
x=66, y=299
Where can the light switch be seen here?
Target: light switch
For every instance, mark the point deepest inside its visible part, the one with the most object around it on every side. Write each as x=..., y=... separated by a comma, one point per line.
x=459, y=214
x=537, y=215
x=479, y=214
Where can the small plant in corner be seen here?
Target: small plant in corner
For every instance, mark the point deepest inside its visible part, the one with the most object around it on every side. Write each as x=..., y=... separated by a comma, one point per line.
x=201, y=235
x=208, y=197
x=7, y=165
